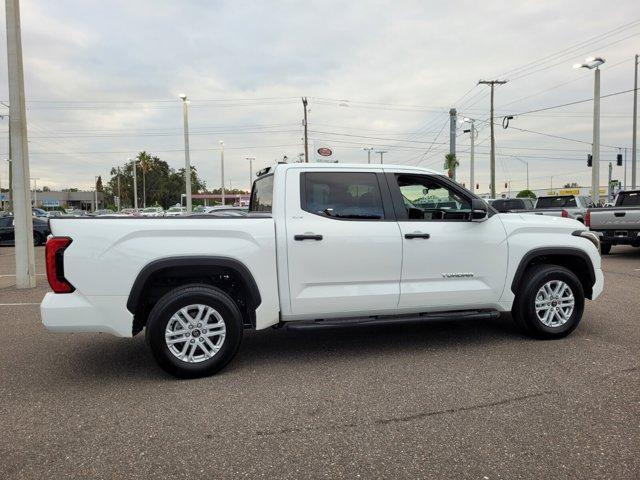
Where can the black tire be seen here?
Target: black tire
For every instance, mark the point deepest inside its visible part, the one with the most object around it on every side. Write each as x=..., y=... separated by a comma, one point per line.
x=605, y=248
x=524, y=312
x=38, y=238
x=181, y=297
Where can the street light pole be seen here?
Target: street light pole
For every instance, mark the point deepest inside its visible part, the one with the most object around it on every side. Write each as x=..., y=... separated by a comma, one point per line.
x=473, y=133
x=635, y=125
x=381, y=152
x=492, y=152
x=135, y=185
x=35, y=191
x=23, y=219
x=251, y=159
x=187, y=160
x=593, y=63
x=368, y=150
x=222, y=170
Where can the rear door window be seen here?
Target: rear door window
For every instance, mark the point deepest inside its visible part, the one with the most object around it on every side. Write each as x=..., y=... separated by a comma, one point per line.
x=630, y=199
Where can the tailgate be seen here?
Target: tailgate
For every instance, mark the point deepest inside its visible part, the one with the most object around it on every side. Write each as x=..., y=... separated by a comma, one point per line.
x=615, y=219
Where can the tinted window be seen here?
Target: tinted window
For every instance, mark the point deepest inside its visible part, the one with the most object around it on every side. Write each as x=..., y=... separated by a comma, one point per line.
x=343, y=195
x=6, y=221
x=427, y=199
x=500, y=205
x=630, y=199
x=262, y=195
x=556, y=202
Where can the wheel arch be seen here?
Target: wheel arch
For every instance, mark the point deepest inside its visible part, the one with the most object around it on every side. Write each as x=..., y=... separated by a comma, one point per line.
x=192, y=269
x=574, y=259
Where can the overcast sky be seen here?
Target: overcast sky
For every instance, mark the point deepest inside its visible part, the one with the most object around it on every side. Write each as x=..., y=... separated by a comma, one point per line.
x=103, y=78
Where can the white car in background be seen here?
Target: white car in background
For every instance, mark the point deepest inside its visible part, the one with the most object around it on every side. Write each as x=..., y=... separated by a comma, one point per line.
x=175, y=211
x=152, y=212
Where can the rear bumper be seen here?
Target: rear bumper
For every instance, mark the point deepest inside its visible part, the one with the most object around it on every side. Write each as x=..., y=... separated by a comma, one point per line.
x=74, y=312
x=619, y=237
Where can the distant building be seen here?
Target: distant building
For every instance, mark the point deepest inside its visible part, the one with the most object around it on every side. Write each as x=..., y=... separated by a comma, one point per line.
x=58, y=199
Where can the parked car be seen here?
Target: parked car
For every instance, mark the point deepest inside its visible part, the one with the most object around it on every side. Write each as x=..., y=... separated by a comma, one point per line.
x=152, y=212
x=323, y=244
x=130, y=211
x=175, y=211
x=573, y=206
x=7, y=232
x=38, y=212
x=506, y=205
x=617, y=225
x=229, y=212
x=103, y=211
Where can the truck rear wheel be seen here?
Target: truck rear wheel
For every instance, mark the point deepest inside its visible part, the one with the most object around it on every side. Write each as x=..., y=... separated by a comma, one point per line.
x=549, y=302
x=194, y=331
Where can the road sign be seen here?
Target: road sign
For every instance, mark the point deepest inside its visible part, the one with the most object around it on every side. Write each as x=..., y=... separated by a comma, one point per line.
x=50, y=203
x=324, y=151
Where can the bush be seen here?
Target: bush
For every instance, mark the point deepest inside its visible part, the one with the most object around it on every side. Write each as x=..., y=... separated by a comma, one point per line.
x=526, y=194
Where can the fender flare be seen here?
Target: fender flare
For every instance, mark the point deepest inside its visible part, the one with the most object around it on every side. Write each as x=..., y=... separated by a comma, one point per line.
x=544, y=251
x=193, y=261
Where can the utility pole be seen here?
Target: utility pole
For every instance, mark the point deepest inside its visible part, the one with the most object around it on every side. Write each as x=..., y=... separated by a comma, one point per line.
x=635, y=125
x=187, y=160
x=453, y=118
x=368, y=150
x=23, y=220
x=119, y=197
x=625, y=168
x=251, y=159
x=222, y=169
x=381, y=152
x=135, y=185
x=306, y=137
x=95, y=193
x=492, y=153
x=609, y=184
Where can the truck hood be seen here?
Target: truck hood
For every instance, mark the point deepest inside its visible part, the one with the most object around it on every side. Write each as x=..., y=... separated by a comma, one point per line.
x=517, y=221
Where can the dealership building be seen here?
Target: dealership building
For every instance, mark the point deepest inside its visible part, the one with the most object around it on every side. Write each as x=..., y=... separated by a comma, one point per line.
x=62, y=199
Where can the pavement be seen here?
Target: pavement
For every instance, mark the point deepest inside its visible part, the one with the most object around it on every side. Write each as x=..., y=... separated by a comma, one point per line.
x=436, y=400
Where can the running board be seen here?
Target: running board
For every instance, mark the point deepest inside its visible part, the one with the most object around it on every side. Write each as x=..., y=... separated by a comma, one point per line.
x=393, y=319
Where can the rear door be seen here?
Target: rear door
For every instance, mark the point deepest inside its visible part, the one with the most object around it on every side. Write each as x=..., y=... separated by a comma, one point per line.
x=449, y=262
x=344, y=250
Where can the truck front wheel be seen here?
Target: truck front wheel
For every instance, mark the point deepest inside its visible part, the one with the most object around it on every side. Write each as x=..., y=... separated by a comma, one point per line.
x=605, y=248
x=549, y=302
x=194, y=331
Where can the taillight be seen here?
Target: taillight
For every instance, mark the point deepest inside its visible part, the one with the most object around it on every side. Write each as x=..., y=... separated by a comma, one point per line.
x=55, y=264
x=587, y=218
x=564, y=214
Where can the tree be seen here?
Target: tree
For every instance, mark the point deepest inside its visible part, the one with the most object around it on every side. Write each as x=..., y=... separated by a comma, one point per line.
x=99, y=187
x=526, y=194
x=450, y=164
x=144, y=159
x=164, y=185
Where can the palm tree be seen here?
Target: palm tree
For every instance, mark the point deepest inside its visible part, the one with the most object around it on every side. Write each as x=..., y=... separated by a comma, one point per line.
x=450, y=164
x=144, y=159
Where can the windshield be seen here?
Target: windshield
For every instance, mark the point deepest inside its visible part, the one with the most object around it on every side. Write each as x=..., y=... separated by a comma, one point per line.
x=556, y=202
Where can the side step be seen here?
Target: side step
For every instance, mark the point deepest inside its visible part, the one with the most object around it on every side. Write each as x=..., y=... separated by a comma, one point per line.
x=393, y=319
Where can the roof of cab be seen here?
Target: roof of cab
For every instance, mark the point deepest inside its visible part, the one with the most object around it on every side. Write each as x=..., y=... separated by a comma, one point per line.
x=360, y=166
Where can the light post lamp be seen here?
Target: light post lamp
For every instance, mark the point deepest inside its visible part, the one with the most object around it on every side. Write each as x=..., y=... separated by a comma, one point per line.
x=368, y=150
x=251, y=159
x=187, y=161
x=473, y=133
x=222, y=169
x=593, y=63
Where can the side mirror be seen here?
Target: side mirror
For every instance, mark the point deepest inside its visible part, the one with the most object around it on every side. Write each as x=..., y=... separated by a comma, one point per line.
x=479, y=210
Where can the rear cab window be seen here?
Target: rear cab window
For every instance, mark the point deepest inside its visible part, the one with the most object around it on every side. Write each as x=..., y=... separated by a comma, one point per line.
x=262, y=195
x=556, y=202
x=630, y=199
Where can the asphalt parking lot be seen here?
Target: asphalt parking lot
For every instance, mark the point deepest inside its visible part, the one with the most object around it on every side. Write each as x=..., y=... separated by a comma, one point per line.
x=437, y=400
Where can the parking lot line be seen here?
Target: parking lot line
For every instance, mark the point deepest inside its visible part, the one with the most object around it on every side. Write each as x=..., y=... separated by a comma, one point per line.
x=18, y=304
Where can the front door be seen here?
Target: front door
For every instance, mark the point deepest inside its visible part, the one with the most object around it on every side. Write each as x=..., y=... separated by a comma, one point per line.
x=344, y=250
x=449, y=262
x=7, y=233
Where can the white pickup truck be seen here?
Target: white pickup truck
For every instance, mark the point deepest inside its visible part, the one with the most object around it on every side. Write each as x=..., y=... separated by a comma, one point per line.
x=323, y=244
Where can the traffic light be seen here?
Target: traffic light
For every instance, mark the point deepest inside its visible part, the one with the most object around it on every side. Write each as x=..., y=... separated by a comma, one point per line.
x=506, y=185
x=619, y=159
x=589, y=160
x=477, y=186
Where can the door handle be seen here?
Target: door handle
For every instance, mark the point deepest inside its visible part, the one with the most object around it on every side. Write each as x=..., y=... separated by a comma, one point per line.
x=620, y=214
x=307, y=236
x=410, y=236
